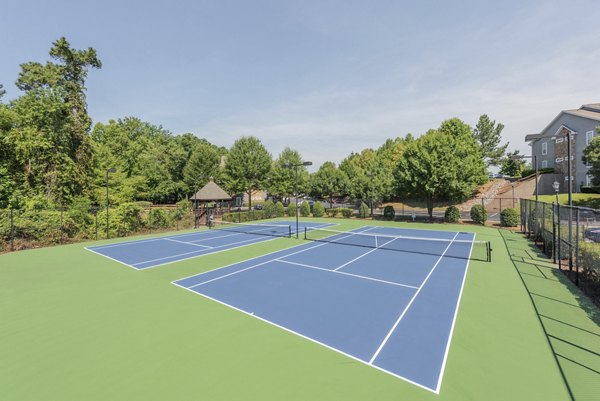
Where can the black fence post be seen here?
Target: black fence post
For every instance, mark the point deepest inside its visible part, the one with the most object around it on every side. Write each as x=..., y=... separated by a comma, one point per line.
x=553, y=233
x=543, y=226
x=558, y=239
x=150, y=219
x=12, y=229
x=96, y=225
x=577, y=249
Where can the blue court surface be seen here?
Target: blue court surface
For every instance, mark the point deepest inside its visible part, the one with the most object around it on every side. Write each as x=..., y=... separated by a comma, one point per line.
x=144, y=254
x=391, y=309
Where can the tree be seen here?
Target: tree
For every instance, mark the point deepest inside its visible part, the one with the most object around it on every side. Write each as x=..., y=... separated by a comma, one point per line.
x=513, y=164
x=488, y=135
x=328, y=181
x=2, y=91
x=591, y=157
x=282, y=181
x=202, y=164
x=441, y=165
x=248, y=165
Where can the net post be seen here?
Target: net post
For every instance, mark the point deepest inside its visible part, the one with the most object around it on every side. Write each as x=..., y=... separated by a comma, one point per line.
x=488, y=246
x=289, y=231
x=305, y=235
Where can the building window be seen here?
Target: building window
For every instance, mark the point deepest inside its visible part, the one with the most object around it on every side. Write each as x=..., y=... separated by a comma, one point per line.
x=559, y=140
x=544, y=148
x=567, y=178
x=588, y=137
x=559, y=159
x=544, y=163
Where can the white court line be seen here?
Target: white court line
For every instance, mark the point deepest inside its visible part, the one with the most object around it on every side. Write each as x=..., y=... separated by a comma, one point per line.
x=200, y=250
x=346, y=274
x=307, y=338
x=188, y=243
x=439, y=383
x=363, y=255
x=259, y=264
x=108, y=257
x=385, y=340
x=247, y=260
x=139, y=241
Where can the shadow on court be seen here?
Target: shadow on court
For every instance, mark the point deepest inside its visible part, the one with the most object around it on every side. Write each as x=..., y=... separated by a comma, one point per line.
x=571, y=322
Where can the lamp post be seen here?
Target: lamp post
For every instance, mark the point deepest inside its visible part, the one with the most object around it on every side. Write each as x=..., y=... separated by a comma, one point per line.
x=556, y=187
x=295, y=166
x=513, y=193
x=110, y=170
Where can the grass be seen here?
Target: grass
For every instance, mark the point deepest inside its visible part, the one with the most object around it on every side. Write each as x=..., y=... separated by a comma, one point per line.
x=586, y=200
x=77, y=326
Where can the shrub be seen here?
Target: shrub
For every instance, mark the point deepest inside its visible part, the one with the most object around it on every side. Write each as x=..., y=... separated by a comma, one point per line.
x=347, y=212
x=269, y=209
x=363, y=210
x=304, y=209
x=478, y=214
x=333, y=212
x=291, y=210
x=318, y=209
x=590, y=260
x=452, y=215
x=389, y=213
x=157, y=218
x=509, y=218
x=279, y=209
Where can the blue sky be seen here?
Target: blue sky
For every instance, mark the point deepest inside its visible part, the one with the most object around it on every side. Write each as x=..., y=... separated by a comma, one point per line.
x=323, y=77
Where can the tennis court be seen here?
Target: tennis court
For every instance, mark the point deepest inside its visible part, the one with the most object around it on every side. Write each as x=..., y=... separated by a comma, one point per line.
x=387, y=297
x=144, y=254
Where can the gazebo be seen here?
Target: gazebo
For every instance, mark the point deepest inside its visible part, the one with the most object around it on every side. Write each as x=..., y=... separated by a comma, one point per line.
x=211, y=192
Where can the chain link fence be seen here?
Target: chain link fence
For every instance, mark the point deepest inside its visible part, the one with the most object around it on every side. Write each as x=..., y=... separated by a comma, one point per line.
x=34, y=228
x=570, y=235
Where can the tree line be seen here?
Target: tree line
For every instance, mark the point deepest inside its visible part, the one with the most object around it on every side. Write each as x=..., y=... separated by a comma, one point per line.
x=51, y=155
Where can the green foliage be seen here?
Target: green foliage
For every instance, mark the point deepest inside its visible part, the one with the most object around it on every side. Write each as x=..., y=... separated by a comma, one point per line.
x=333, y=212
x=488, y=135
x=591, y=157
x=590, y=260
x=282, y=181
x=242, y=217
x=347, y=212
x=590, y=190
x=304, y=209
x=291, y=209
x=328, y=181
x=183, y=208
x=443, y=164
x=248, y=165
x=452, y=215
x=158, y=218
x=389, y=213
x=363, y=210
x=513, y=164
x=530, y=171
x=478, y=214
x=318, y=209
x=202, y=164
x=509, y=218
x=279, y=209
x=269, y=209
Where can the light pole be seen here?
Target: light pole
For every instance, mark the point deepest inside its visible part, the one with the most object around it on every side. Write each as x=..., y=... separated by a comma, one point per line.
x=295, y=166
x=110, y=170
x=556, y=187
x=513, y=193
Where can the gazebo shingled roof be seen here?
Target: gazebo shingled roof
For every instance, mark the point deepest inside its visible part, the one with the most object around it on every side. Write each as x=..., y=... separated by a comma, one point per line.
x=211, y=192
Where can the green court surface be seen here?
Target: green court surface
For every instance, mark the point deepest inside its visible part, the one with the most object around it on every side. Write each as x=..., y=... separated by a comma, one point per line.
x=78, y=326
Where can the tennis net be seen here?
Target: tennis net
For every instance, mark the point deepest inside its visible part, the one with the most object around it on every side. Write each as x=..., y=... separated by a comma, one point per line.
x=461, y=249
x=272, y=230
